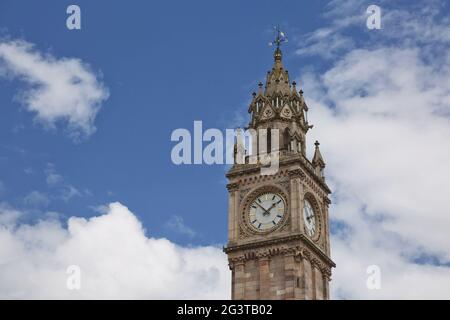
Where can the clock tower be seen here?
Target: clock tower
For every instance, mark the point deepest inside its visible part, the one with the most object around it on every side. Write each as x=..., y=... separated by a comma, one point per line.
x=278, y=226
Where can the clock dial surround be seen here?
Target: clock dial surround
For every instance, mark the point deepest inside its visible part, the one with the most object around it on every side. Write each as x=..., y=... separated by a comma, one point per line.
x=266, y=211
x=311, y=218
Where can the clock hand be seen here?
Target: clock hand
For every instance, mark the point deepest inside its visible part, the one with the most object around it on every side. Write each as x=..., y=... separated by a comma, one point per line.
x=265, y=211
x=273, y=205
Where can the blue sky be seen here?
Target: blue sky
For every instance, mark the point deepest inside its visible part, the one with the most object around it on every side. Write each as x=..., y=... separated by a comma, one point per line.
x=163, y=65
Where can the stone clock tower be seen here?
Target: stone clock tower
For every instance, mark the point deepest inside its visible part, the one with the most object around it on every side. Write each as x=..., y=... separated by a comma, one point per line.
x=278, y=226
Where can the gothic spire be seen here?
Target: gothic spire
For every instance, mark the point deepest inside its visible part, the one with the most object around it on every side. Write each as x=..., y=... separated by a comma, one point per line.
x=317, y=159
x=278, y=78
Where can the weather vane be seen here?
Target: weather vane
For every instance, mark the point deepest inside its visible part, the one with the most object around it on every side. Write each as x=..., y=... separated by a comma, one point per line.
x=280, y=38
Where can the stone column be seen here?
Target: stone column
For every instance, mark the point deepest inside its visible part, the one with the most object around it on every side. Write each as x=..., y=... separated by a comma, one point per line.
x=289, y=275
x=233, y=209
x=294, y=204
x=264, y=278
x=299, y=291
x=326, y=287
x=308, y=279
x=233, y=280
x=239, y=280
x=253, y=159
x=295, y=197
x=313, y=282
x=251, y=280
x=326, y=224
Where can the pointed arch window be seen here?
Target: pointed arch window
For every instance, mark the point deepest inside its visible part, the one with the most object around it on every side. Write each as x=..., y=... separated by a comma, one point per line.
x=286, y=140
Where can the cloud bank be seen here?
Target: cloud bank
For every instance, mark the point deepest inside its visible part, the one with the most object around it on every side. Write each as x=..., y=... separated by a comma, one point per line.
x=58, y=89
x=116, y=259
x=382, y=113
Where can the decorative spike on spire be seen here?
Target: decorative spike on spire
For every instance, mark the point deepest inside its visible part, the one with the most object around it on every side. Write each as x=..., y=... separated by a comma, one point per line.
x=280, y=38
x=277, y=55
x=317, y=159
x=294, y=87
x=278, y=77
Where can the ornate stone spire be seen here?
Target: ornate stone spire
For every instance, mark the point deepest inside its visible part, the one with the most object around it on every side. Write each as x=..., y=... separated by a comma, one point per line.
x=278, y=78
x=279, y=106
x=318, y=162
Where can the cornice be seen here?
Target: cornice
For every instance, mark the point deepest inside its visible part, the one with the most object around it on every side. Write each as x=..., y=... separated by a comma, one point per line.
x=232, y=186
x=281, y=240
x=243, y=169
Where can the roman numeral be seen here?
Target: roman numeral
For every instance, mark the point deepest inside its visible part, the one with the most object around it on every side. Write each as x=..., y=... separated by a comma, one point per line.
x=259, y=226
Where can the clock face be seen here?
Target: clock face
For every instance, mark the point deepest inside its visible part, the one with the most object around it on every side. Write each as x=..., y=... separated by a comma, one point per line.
x=310, y=218
x=266, y=211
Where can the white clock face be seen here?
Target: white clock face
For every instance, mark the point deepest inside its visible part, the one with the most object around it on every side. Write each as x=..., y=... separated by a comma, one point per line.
x=310, y=218
x=266, y=211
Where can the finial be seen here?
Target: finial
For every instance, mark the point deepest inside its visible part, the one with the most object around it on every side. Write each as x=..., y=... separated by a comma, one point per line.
x=260, y=85
x=301, y=92
x=277, y=55
x=254, y=94
x=279, y=39
x=317, y=160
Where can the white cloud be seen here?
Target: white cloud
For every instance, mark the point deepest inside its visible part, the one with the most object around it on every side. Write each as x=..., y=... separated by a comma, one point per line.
x=52, y=178
x=382, y=115
x=66, y=190
x=176, y=223
x=36, y=199
x=8, y=215
x=60, y=89
x=116, y=258
x=313, y=44
x=69, y=191
x=329, y=41
x=346, y=29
